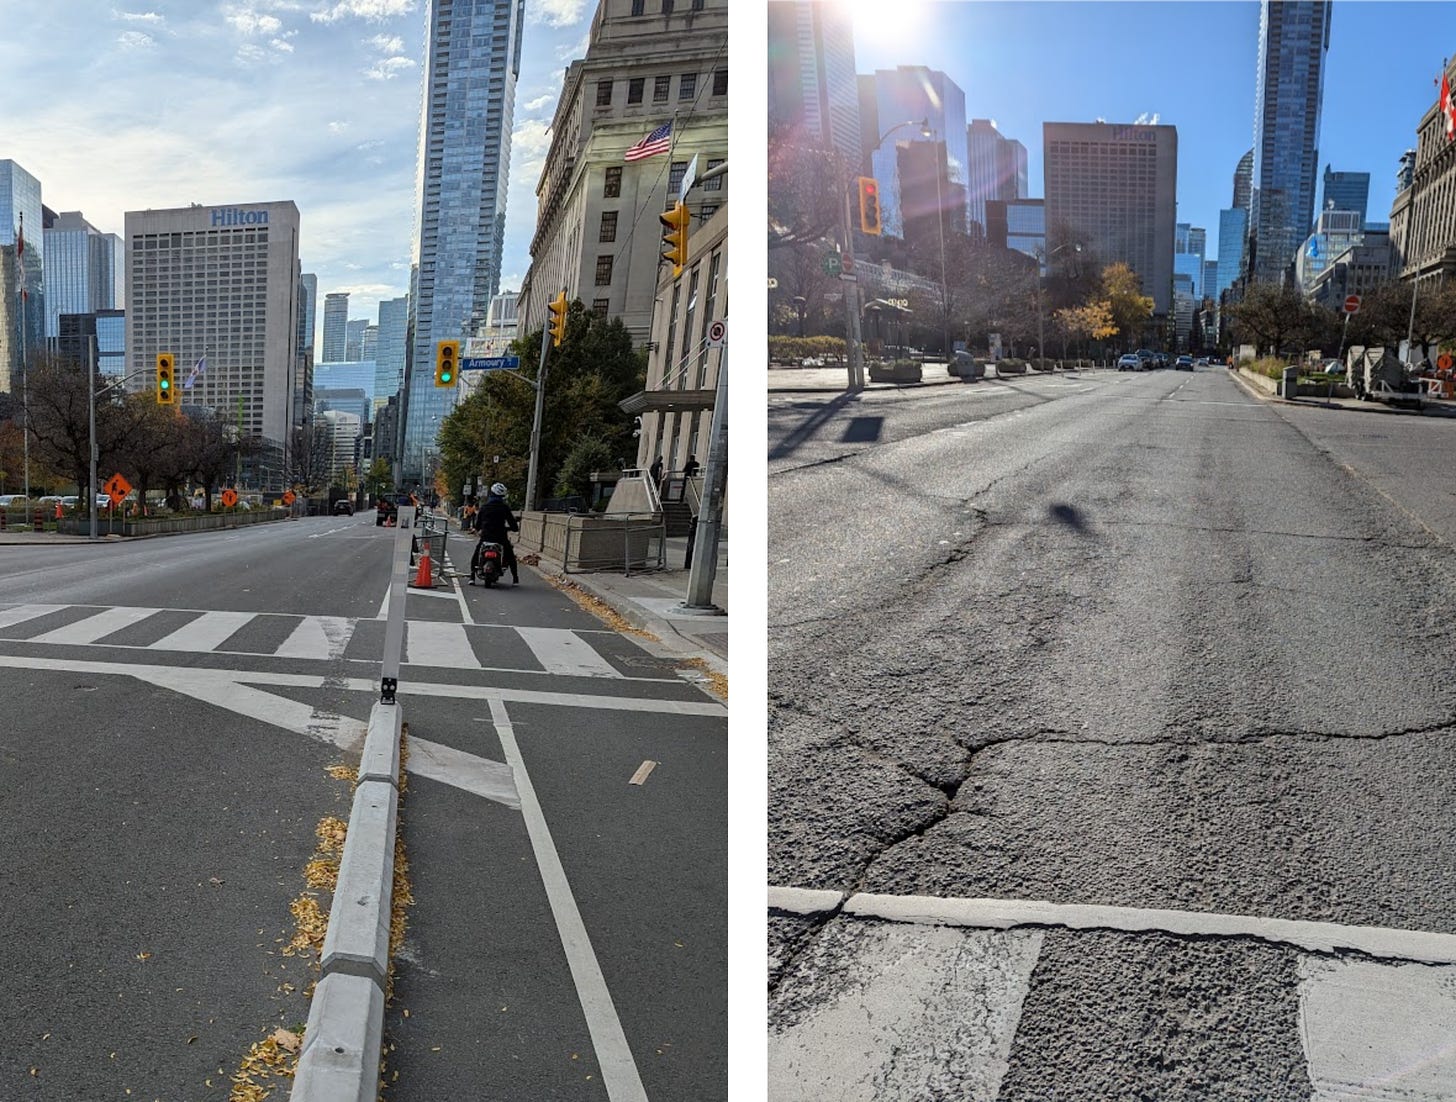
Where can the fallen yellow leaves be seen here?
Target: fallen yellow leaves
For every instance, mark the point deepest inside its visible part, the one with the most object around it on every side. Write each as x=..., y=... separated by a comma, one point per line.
x=717, y=682
x=322, y=874
x=343, y=772
x=331, y=832
x=310, y=923
x=275, y=1057
x=598, y=608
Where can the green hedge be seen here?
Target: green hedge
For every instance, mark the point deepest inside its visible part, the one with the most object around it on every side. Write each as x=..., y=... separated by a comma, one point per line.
x=794, y=350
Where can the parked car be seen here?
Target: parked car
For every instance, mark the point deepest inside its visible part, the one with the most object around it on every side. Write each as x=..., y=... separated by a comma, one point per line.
x=1184, y=363
x=13, y=501
x=1130, y=362
x=343, y=508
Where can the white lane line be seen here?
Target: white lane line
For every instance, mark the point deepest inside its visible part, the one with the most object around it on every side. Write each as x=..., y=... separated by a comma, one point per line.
x=317, y=637
x=21, y=613
x=460, y=593
x=492, y=779
x=96, y=627
x=619, y=1071
x=371, y=685
x=1006, y=914
x=427, y=643
x=205, y=633
x=562, y=652
x=383, y=613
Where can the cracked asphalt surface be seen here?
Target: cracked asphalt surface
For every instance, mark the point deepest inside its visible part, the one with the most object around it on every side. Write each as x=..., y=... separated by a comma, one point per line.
x=1131, y=640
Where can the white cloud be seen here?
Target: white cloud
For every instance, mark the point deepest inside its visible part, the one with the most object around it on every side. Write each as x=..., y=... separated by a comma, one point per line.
x=337, y=127
x=138, y=17
x=573, y=50
x=250, y=53
x=376, y=11
x=282, y=45
x=540, y=102
x=389, y=68
x=247, y=21
x=558, y=13
x=135, y=40
x=387, y=43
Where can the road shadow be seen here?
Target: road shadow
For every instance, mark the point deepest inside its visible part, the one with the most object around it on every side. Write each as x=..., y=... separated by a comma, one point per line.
x=1069, y=516
x=862, y=430
x=811, y=424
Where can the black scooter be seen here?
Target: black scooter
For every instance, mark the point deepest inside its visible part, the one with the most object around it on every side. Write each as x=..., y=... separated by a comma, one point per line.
x=486, y=563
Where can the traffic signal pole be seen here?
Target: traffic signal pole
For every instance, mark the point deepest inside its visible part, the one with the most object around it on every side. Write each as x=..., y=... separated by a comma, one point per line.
x=536, y=421
x=704, y=569
x=851, y=297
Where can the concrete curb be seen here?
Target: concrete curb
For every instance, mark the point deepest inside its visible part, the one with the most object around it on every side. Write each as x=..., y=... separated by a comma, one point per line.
x=345, y=1032
x=954, y=380
x=672, y=643
x=1255, y=389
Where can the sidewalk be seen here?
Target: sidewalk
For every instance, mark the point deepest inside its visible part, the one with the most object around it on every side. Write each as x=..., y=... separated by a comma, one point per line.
x=817, y=379
x=1264, y=387
x=652, y=602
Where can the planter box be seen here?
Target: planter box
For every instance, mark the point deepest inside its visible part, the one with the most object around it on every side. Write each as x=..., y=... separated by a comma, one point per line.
x=895, y=373
x=1322, y=390
x=165, y=526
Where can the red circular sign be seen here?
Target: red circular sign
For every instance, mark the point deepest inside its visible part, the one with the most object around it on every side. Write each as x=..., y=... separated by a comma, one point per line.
x=1352, y=304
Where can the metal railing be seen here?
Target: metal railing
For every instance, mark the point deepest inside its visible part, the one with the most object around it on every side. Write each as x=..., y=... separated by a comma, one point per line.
x=631, y=543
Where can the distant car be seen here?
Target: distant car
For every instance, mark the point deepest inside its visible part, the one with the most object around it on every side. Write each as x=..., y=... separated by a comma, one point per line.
x=1184, y=363
x=1202, y=361
x=343, y=508
x=1130, y=363
x=13, y=501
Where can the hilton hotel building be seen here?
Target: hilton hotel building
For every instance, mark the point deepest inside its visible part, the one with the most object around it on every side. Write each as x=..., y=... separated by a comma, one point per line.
x=220, y=282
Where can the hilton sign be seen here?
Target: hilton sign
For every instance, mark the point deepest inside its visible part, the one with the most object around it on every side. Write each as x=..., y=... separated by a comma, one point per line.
x=233, y=216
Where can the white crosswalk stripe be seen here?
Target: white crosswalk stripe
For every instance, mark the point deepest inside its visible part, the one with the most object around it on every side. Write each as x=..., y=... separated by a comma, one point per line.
x=318, y=637
x=205, y=633
x=96, y=627
x=444, y=646
x=21, y=613
x=564, y=652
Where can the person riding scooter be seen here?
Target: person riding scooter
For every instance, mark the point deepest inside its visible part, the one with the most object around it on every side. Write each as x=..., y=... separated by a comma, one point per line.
x=493, y=522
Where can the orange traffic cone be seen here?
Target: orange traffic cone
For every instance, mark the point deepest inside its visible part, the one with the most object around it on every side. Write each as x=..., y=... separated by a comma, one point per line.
x=58, y=510
x=423, y=577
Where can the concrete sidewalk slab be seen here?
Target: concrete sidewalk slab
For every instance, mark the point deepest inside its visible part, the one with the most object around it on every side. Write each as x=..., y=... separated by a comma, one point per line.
x=1261, y=386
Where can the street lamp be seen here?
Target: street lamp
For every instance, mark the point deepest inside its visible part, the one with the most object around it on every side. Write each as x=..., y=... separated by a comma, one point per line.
x=927, y=132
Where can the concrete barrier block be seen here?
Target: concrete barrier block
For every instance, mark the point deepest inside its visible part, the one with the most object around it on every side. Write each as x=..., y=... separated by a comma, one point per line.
x=357, y=942
x=380, y=761
x=341, y=1046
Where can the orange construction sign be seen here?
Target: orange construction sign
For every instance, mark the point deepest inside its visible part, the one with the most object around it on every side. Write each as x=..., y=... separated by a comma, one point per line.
x=229, y=498
x=116, y=488
x=288, y=498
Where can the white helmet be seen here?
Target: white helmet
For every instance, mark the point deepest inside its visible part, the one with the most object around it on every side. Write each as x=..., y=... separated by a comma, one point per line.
x=499, y=489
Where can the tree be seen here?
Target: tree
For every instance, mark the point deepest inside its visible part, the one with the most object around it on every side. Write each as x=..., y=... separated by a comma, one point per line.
x=806, y=188
x=210, y=450
x=1129, y=308
x=1090, y=322
x=588, y=454
x=60, y=422
x=378, y=479
x=1273, y=318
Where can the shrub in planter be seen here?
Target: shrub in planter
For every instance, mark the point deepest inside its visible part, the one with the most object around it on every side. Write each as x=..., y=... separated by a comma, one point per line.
x=900, y=371
x=1010, y=367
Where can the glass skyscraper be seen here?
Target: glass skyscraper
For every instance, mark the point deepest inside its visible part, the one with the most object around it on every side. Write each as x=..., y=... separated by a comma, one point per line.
x=474, y=58
x=336, y=320
x=915, y=94
x=811, y=77
x=1294, y=37
x=389, y=349
x=22, y=321
x=1346, y=191
x=82, y=267
x=310, y=313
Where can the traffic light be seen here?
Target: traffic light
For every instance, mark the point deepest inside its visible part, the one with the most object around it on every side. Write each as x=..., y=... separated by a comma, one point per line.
x=869, y=205
x=675, y=237
x=165, y=394
x=557, y=324
x=447, y=362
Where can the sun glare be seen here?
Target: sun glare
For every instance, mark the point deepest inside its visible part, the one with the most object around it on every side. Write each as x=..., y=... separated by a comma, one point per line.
x=904, y=29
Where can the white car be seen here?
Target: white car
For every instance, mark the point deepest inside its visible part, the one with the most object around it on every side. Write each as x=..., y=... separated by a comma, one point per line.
x=1130, y=363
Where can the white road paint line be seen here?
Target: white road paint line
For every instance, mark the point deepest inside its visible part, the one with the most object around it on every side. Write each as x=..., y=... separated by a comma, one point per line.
x=619, y=1072
x=330, y=532
x=1006, y=914
x=20, y=613
x=278, y=711
x=317, y=637
x=383, y=613
x=562, y=652
x=643, y=772
x=371, y=685
x=1377, y=1031
x=492, y=779
x=95, y=627
x=444, y=646
x=460, y=593
x=905, y=1008
x=804, y=901
x=205, y=633
x=413, y=592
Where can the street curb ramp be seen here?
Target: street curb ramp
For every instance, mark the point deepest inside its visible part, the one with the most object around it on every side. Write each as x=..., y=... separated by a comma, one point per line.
x=344, y=1037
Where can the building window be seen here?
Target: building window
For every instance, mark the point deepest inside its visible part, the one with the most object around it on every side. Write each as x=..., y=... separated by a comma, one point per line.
x=634, y=89
x=612, y=188
x=609, y=226
x=675, y=179
x=716, y=183
x=699, y=4
x=639, y=7
x=687, y=85
x=706, y=211
x=604, y=93
x=604, y=271
x=666, y=7
x=720, y=82
x=599, y=306
x=660, y=86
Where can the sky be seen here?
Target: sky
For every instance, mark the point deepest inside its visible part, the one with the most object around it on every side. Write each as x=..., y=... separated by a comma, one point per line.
x=1190, y=63
x=161, y=103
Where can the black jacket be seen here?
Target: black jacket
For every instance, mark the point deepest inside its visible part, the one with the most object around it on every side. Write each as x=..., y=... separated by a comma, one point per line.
x=495, y=519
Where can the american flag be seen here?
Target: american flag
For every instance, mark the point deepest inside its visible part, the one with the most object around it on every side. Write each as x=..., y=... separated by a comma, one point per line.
x=656, y=142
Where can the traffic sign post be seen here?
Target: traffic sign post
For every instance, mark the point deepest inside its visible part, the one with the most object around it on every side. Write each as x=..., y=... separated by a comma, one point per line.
x=717, y=333
x=229, y=498
x=116, y=489
x=831, y=264
x=1352, y=304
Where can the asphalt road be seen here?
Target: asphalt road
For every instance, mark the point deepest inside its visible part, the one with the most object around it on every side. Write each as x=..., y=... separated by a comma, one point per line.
x=172, y=708
x=1136, y=642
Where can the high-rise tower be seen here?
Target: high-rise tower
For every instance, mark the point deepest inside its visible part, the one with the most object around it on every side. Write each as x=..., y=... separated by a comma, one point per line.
x=474, y=58
x=1294, y=37
x=336, y=321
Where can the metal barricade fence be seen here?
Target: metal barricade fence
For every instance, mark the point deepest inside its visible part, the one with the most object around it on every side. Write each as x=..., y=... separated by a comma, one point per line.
x=631, y=544
x=431, y=533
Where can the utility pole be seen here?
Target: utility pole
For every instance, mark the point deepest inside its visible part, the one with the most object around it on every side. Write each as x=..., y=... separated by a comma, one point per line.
x=704, y=569
x=91, y=402
x=851, y=296
x=536, y=420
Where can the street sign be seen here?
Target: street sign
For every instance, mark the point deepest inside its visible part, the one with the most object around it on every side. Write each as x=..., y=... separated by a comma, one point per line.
x=689, y=178
x=831, y=264
x=229, y=498
x=717, y=333
x=1352, y=304
x=116, y=488
x=849, y=277
x=1444, y=361
x=491, y=363
x=288, y=498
